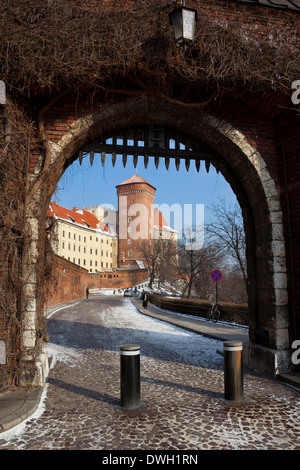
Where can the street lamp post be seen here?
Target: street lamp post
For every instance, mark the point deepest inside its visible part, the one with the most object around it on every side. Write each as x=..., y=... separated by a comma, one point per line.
x=183, y=20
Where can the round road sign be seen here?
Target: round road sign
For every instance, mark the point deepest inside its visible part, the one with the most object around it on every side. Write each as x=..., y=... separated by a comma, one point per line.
x=216, y=275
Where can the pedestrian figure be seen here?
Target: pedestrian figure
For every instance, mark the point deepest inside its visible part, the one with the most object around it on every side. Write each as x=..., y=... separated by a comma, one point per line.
x=145, y=300
x=87, y=293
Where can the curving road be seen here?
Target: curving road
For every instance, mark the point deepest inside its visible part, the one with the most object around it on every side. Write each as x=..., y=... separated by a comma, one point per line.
x=181, y=387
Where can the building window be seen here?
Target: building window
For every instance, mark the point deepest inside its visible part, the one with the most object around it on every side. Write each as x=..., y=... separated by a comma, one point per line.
x=129, y=241
x=129, y=253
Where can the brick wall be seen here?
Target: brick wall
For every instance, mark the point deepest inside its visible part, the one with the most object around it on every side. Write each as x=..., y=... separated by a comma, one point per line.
x=72, y=280
x=129, y=195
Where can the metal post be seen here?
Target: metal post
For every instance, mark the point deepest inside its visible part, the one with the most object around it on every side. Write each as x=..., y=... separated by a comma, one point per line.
x=233, y=371
x=130, y=376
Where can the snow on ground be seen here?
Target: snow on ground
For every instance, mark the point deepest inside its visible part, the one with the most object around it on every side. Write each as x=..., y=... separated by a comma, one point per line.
x=156, y=334
x=182, y=376
x=150, y=333
x=124, y=324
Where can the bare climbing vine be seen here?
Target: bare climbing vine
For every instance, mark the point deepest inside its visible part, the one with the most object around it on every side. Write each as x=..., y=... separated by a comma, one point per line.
x=17, y=141
x=48, y=47
x=128, y=45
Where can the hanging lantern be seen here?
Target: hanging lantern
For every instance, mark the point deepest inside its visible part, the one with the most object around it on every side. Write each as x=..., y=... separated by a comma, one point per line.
x=183, y=20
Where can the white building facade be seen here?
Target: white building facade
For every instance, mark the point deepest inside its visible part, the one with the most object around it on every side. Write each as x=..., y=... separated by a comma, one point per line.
x=84, y=240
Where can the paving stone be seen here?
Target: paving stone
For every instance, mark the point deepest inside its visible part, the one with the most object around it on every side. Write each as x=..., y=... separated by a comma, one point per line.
x=181, y=386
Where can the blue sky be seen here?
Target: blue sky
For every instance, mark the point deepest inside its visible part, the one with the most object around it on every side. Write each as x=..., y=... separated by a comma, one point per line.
x=85, y=185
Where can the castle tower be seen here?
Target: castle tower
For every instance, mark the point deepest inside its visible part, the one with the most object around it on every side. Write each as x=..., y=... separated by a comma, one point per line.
x=135, y=219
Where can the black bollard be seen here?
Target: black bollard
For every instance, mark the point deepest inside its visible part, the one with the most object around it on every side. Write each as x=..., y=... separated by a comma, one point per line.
x=130, y=376
x=233, y=371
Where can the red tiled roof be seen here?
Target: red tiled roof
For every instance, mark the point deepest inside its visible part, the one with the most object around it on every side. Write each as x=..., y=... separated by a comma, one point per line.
x=135, y=179
x=80, y=217
x=159, y=221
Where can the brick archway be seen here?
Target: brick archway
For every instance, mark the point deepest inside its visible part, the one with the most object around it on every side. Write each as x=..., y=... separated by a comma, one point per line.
x=248, y=174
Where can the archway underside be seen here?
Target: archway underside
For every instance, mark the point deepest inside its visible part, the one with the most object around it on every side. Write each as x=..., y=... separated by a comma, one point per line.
x=214, y=141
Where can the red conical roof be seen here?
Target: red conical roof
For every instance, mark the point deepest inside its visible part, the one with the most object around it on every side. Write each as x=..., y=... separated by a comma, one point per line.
x=135, y=179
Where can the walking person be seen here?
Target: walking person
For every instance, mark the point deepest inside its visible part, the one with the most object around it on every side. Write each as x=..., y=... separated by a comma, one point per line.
x=145, y=300
x=87, y=292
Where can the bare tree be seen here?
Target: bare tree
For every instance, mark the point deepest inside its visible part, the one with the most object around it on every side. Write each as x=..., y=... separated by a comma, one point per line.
x=232, y=288
x=227, y=231
x=212, y=258
x=159, y=256
x=195, y=267
x=168, y=261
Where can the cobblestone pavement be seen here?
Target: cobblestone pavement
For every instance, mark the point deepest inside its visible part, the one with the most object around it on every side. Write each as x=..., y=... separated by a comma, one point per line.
x=181, y=387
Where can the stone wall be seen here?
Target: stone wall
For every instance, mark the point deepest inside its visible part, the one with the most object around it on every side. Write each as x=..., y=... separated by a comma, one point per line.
x=234, y=313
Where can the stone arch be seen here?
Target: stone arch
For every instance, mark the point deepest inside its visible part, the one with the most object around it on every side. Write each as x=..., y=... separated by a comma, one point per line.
x=250, y=179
